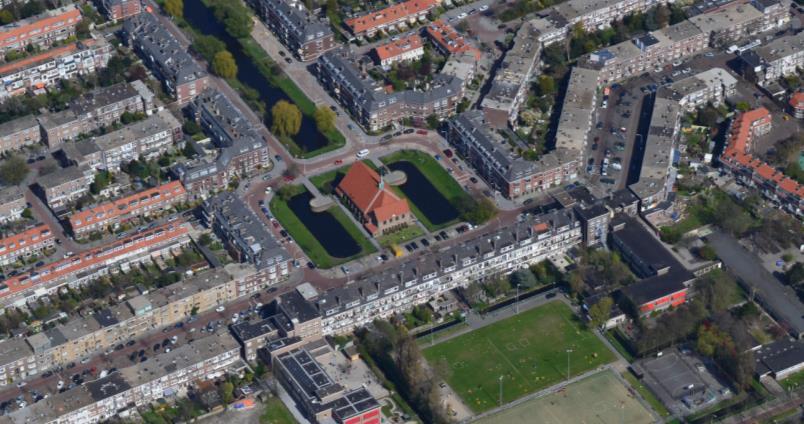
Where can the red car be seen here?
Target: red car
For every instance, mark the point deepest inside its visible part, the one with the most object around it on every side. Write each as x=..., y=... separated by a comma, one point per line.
x=338, y=162
x=422, y=132
x=288, y=178
x=275, y=223
x=448, y=153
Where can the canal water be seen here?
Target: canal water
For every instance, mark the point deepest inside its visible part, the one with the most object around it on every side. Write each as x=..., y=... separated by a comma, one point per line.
x=324, y=227
x=202, y=18
x=427, y=198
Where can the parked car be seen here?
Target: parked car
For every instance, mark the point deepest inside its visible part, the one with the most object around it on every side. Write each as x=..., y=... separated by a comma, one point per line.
x=362, y=153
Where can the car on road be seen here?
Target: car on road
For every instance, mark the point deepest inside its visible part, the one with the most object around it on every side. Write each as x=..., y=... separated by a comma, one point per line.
x=425, y=242
x=483, y=8
x=397, y=134
x=462, y=15
x=288, y=178
x=362, y=153
x=386, y=138
x=287, y=59
x=220, y=309
x=448, y=153
x=282, y=53
x=473, y=180
x=268, y=190
x=421, y=132
x=338, y=161
x=437, y=157
x=409, y=131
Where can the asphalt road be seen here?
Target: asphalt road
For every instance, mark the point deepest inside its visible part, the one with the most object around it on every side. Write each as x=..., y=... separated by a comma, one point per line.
x=782, y=302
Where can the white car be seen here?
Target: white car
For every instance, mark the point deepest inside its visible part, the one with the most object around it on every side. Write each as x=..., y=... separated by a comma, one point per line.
x=483, y=8
x=363, y=153
x=220, y=309
x=268, y=190
x=462, y=15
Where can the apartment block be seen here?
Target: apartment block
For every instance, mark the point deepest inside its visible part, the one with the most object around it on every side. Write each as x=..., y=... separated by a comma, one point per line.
x=509, y=87
x=121, y=9
x=292, y=321
x=91, y=264
x=396, y=16
x=245, y=236
x=41, y=30
x=372, y=106
x=748, y=170
x=657, y=174
x=317, y=395
x=12, y=204
x=504, y=168
x=149, y=139
x=182, y=77
x=304, y=34
x=112, y=214
x=241, y=149
x=730, y=23
x=711, y=86
x=595, y=15
x=381, y=295
x=19, y=133
x=122, y=391
x=47, y=69
x=401, y=50
x=652, y=50
x=776, y=13
x=99, y=108
x=28, y=243
x=62, y=187
x=448, y=41
x=779, y=58
x=84, y=153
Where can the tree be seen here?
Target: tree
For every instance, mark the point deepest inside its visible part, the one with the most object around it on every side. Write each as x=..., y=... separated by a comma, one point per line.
x=6, y=17
x=227, y=392
x=223, y=65
x=432, y=121
x=795, y=274
x=82, y=29
x=285, y=119
x=13, y=170
x=235, y=18
x=523, y=278
x=715, y=290
x=324, y=119
x=102, y=180
x=208, y=46
x=547, y=85
x=743, y=106
x=708, y=253
x=174, y=8
x=662, y=15
x=205, y=239
x=600, y=312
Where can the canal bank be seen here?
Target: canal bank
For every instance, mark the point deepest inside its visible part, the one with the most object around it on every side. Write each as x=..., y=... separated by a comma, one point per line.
x=328, y=238
x=264, y=81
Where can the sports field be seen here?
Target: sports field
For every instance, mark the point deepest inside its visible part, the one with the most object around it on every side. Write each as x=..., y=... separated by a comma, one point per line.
x=528, y=350
x=600, y=398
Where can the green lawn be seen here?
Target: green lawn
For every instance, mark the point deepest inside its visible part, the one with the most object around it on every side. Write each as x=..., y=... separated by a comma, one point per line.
x=794, y=382
x=528, y=350
x=655, y=403
x=276, y=413
x=438, y=177
x=400, y=236
x=307, y=241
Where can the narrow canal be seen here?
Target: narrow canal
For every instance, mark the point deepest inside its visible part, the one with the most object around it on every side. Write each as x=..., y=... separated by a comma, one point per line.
x=421, y=192
x=202, y=18
x=324, y=227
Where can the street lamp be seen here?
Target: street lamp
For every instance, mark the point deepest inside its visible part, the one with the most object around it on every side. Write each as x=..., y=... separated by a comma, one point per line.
x=568, y=363
x=501, y=379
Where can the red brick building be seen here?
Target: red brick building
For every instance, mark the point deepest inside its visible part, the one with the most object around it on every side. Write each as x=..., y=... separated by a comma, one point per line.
x=121, y=9
x=40, y=30
x=376, y=206
x=390, y=17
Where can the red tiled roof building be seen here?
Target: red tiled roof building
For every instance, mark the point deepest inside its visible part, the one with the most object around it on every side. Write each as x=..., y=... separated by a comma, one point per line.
x=751, y=171
x=797, y=105
x=376, y=206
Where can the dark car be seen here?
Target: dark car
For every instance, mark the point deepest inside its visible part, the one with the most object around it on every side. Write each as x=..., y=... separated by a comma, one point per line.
x=473, y=180
x=550, y=295
x=414, y=245
x=71, y=365
x=156, y=347
x=287, y=59
x=408, y=131
x=397, y=134
x=425, y=242
x=443, y=235
x=47, y=374
x=283, y=233
x=130, y=343
x=143, y=359
x=119, y=347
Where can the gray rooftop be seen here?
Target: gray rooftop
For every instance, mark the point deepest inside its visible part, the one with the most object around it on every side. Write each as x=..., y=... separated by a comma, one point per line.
x=781, y=47
x=658, y=148
x=11, y=194
x=298, y=20
x=17, y=125
x=154, y=124
x=159, y=44
x=245, y=230
x=728, y=17
x=61, y=176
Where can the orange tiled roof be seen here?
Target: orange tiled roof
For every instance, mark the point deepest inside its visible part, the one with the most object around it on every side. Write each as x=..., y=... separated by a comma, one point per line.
x=736, y=153
x=91, y=258
x=14, y=243
x=50, y=54
x=445, y=36
x=15, y=32
x=389, y=15
x=398, y=47
x=127, y=205
x=797, y=100
x=362, y=186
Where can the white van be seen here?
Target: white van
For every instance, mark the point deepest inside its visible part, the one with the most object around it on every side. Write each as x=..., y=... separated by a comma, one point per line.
x=363, y=153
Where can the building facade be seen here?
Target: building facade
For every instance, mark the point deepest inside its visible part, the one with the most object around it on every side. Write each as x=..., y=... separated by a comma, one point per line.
x=779, y=58
x=396, y=16
x=121, y=9
x=148, y=139
x=711, y=86
x=402, y=50
x=47, y=69
x=182, y=77
x=19, y=133
x=41, y=30
x=141, y=204
x=305, y=35
x=62, y=187
x=26, y=244
x=12, y=204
